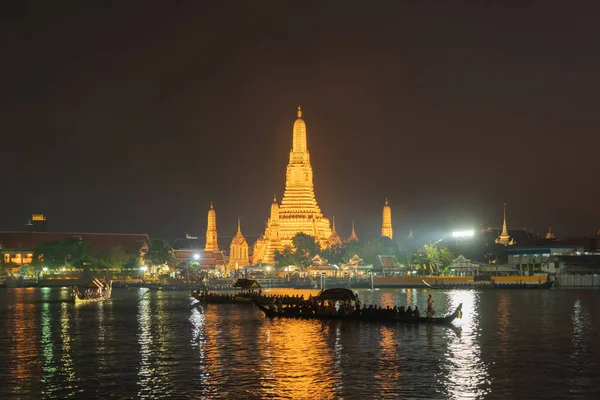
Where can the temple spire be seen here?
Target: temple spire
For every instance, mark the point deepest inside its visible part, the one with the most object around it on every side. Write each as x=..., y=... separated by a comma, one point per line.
x=211, y=230
x=550, y=234
x=504, y=237
x=239, y=227
x=504, y=230
x=298, y=210
x=353, y=237
x=386, y=226
x=299, y=149
x=335, y=239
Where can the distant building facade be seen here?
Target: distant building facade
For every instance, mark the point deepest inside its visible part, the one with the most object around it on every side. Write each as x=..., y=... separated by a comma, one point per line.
x=19, y=247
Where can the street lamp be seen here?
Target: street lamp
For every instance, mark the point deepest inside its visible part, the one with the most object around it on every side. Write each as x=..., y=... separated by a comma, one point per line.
x=462, y=234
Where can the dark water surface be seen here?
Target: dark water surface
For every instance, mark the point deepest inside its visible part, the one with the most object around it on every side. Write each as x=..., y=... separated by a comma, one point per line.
x=510, y=344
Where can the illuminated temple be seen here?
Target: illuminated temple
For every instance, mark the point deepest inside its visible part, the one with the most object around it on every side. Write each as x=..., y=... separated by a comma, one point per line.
x=298, y=211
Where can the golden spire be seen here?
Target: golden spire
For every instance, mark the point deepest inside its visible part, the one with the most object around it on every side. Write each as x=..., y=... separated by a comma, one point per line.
x=353, y=237
x=239, y=227
x=386, y=225
x=504, y=230
x=333, y=228
x=504, y=237
x=550, y=234
x=275, y=211
x=298, y=210
x=211, y=230
x=299, y=150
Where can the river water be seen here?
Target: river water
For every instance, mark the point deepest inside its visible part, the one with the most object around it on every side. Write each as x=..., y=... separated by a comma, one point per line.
x=510, y=344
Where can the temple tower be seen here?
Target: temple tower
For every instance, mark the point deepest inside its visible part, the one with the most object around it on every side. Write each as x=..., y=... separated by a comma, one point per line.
x=504, y=237
x=299, y=211
x=211, y=230
x=272, y=238
x=353, y=237
x=550, y=234
x=334, y=239
x=386, y=226
x=238, y=250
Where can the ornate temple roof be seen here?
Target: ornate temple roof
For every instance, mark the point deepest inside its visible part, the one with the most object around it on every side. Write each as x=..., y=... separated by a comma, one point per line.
x=238, y=238
x=334, y=239
x=353, y=237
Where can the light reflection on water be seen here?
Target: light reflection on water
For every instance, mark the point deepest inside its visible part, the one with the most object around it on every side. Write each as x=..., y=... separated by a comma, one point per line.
x=145, y=341
x=465, y=373
x=301, y=363
x=164, y=344
x=581, y=359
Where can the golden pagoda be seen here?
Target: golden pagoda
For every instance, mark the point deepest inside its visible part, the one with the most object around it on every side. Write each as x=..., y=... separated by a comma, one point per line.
x=265, y=247
x=550, y=234
x=386, y=226
x=334, y=239
x=504, y=237
x=238, y=250
x=299, y=211
x=211, y=230
x=353, y=237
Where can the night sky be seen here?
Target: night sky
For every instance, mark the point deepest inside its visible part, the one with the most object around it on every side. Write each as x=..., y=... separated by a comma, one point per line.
x=133, y=116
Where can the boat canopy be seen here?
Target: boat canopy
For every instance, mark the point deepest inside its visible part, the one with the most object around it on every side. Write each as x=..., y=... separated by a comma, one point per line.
x=94, y=284
x=337, y=294
x=246, y=284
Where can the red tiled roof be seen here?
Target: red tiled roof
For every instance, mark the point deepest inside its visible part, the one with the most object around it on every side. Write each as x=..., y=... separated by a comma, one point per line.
x=98, y=241
x=388, y=261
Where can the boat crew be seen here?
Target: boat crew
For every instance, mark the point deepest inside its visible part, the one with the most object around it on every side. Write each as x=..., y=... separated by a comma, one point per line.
x=430, y=312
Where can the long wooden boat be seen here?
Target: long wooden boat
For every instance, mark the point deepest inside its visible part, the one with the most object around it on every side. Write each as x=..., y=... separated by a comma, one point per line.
x=497, y=286
x=94, y=292
x=236, y=299
x=367, y=318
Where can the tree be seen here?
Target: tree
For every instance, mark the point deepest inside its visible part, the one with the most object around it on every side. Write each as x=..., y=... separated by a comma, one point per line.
x=5, y=265
x=72, y=252
x=430, y=255
x=333, y=254
x=286, y=257
x=119, y=258
x=159, y=253
x=305, y=248
x=349, y=250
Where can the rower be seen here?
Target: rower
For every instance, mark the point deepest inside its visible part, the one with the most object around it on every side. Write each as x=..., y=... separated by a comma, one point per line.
x=416, y=313
x=429, y=312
